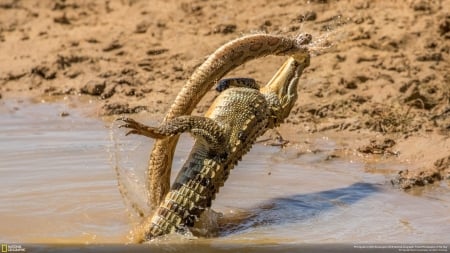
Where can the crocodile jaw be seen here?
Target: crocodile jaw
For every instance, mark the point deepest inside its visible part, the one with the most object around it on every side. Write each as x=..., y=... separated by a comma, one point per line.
x=283, y=85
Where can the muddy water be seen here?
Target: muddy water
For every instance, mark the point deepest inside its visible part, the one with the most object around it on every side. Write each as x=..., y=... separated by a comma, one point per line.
x=56, y=178
x=58, y=185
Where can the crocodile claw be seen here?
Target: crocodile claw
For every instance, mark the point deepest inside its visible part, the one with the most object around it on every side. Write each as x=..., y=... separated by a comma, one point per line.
x=137, y=128
x=134, y=126
x=132, y=132
x=127, y=120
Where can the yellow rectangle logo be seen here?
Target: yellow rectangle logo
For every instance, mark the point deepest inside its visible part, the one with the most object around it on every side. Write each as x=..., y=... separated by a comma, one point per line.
x=4, y=247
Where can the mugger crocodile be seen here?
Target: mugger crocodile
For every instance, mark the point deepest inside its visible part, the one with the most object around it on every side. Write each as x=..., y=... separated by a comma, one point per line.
x=240, y=114
x=215, y=67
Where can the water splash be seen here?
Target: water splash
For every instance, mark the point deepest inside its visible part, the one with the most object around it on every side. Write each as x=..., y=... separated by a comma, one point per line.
x=325, y=37
x=129, y=172
x=329, y=37
x=125, y=155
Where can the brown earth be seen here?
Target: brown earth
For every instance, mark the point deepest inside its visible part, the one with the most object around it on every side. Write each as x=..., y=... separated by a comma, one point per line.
x=380, y=87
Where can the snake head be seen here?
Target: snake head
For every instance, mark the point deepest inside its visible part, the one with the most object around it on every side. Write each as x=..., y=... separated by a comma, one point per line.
x=281, y=91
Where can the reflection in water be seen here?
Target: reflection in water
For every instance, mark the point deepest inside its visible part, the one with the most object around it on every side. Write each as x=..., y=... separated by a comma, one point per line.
x=59, y=186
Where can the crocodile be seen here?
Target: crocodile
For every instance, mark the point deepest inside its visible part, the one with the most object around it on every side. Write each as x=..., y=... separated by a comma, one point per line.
x=238, y=116
x=216, y=66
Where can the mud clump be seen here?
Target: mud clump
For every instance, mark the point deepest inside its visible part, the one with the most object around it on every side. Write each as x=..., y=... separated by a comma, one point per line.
x=44, y=71
x=117, y=109
x=63, y=20
x=225, y=28
x=379, y=147
x=93, y=88
x=444, y=27
x=440, y=170
x=407, y=180
x=114, y=45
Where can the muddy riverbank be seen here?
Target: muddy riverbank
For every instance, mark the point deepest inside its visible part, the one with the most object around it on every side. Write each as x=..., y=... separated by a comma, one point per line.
x=383, y=73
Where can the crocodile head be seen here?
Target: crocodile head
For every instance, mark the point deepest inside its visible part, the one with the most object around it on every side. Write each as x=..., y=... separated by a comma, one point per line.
x=281, y=91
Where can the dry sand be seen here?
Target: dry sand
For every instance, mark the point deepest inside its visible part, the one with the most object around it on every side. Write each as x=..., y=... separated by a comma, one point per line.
x=380, y=88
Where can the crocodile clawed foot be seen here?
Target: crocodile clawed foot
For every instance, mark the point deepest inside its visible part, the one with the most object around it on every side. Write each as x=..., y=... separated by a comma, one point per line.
x=137, y=128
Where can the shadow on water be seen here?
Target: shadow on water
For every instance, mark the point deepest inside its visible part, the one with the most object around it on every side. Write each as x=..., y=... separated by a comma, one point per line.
x=299, y=207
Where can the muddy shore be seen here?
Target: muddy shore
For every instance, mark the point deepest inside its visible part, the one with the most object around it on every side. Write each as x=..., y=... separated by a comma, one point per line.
x=380, y=86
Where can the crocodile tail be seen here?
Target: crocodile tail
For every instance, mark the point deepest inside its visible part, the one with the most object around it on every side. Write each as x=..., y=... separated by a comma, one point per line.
x=192, y=192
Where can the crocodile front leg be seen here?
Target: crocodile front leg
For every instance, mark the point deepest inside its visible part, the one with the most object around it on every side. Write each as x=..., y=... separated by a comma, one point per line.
x=202, y=128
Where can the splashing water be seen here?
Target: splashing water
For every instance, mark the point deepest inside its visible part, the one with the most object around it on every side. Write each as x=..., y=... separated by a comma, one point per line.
x=328, y=36
x=126, y=159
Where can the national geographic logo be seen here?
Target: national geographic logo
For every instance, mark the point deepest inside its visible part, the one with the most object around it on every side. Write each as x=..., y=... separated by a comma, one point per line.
x=12, y=248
